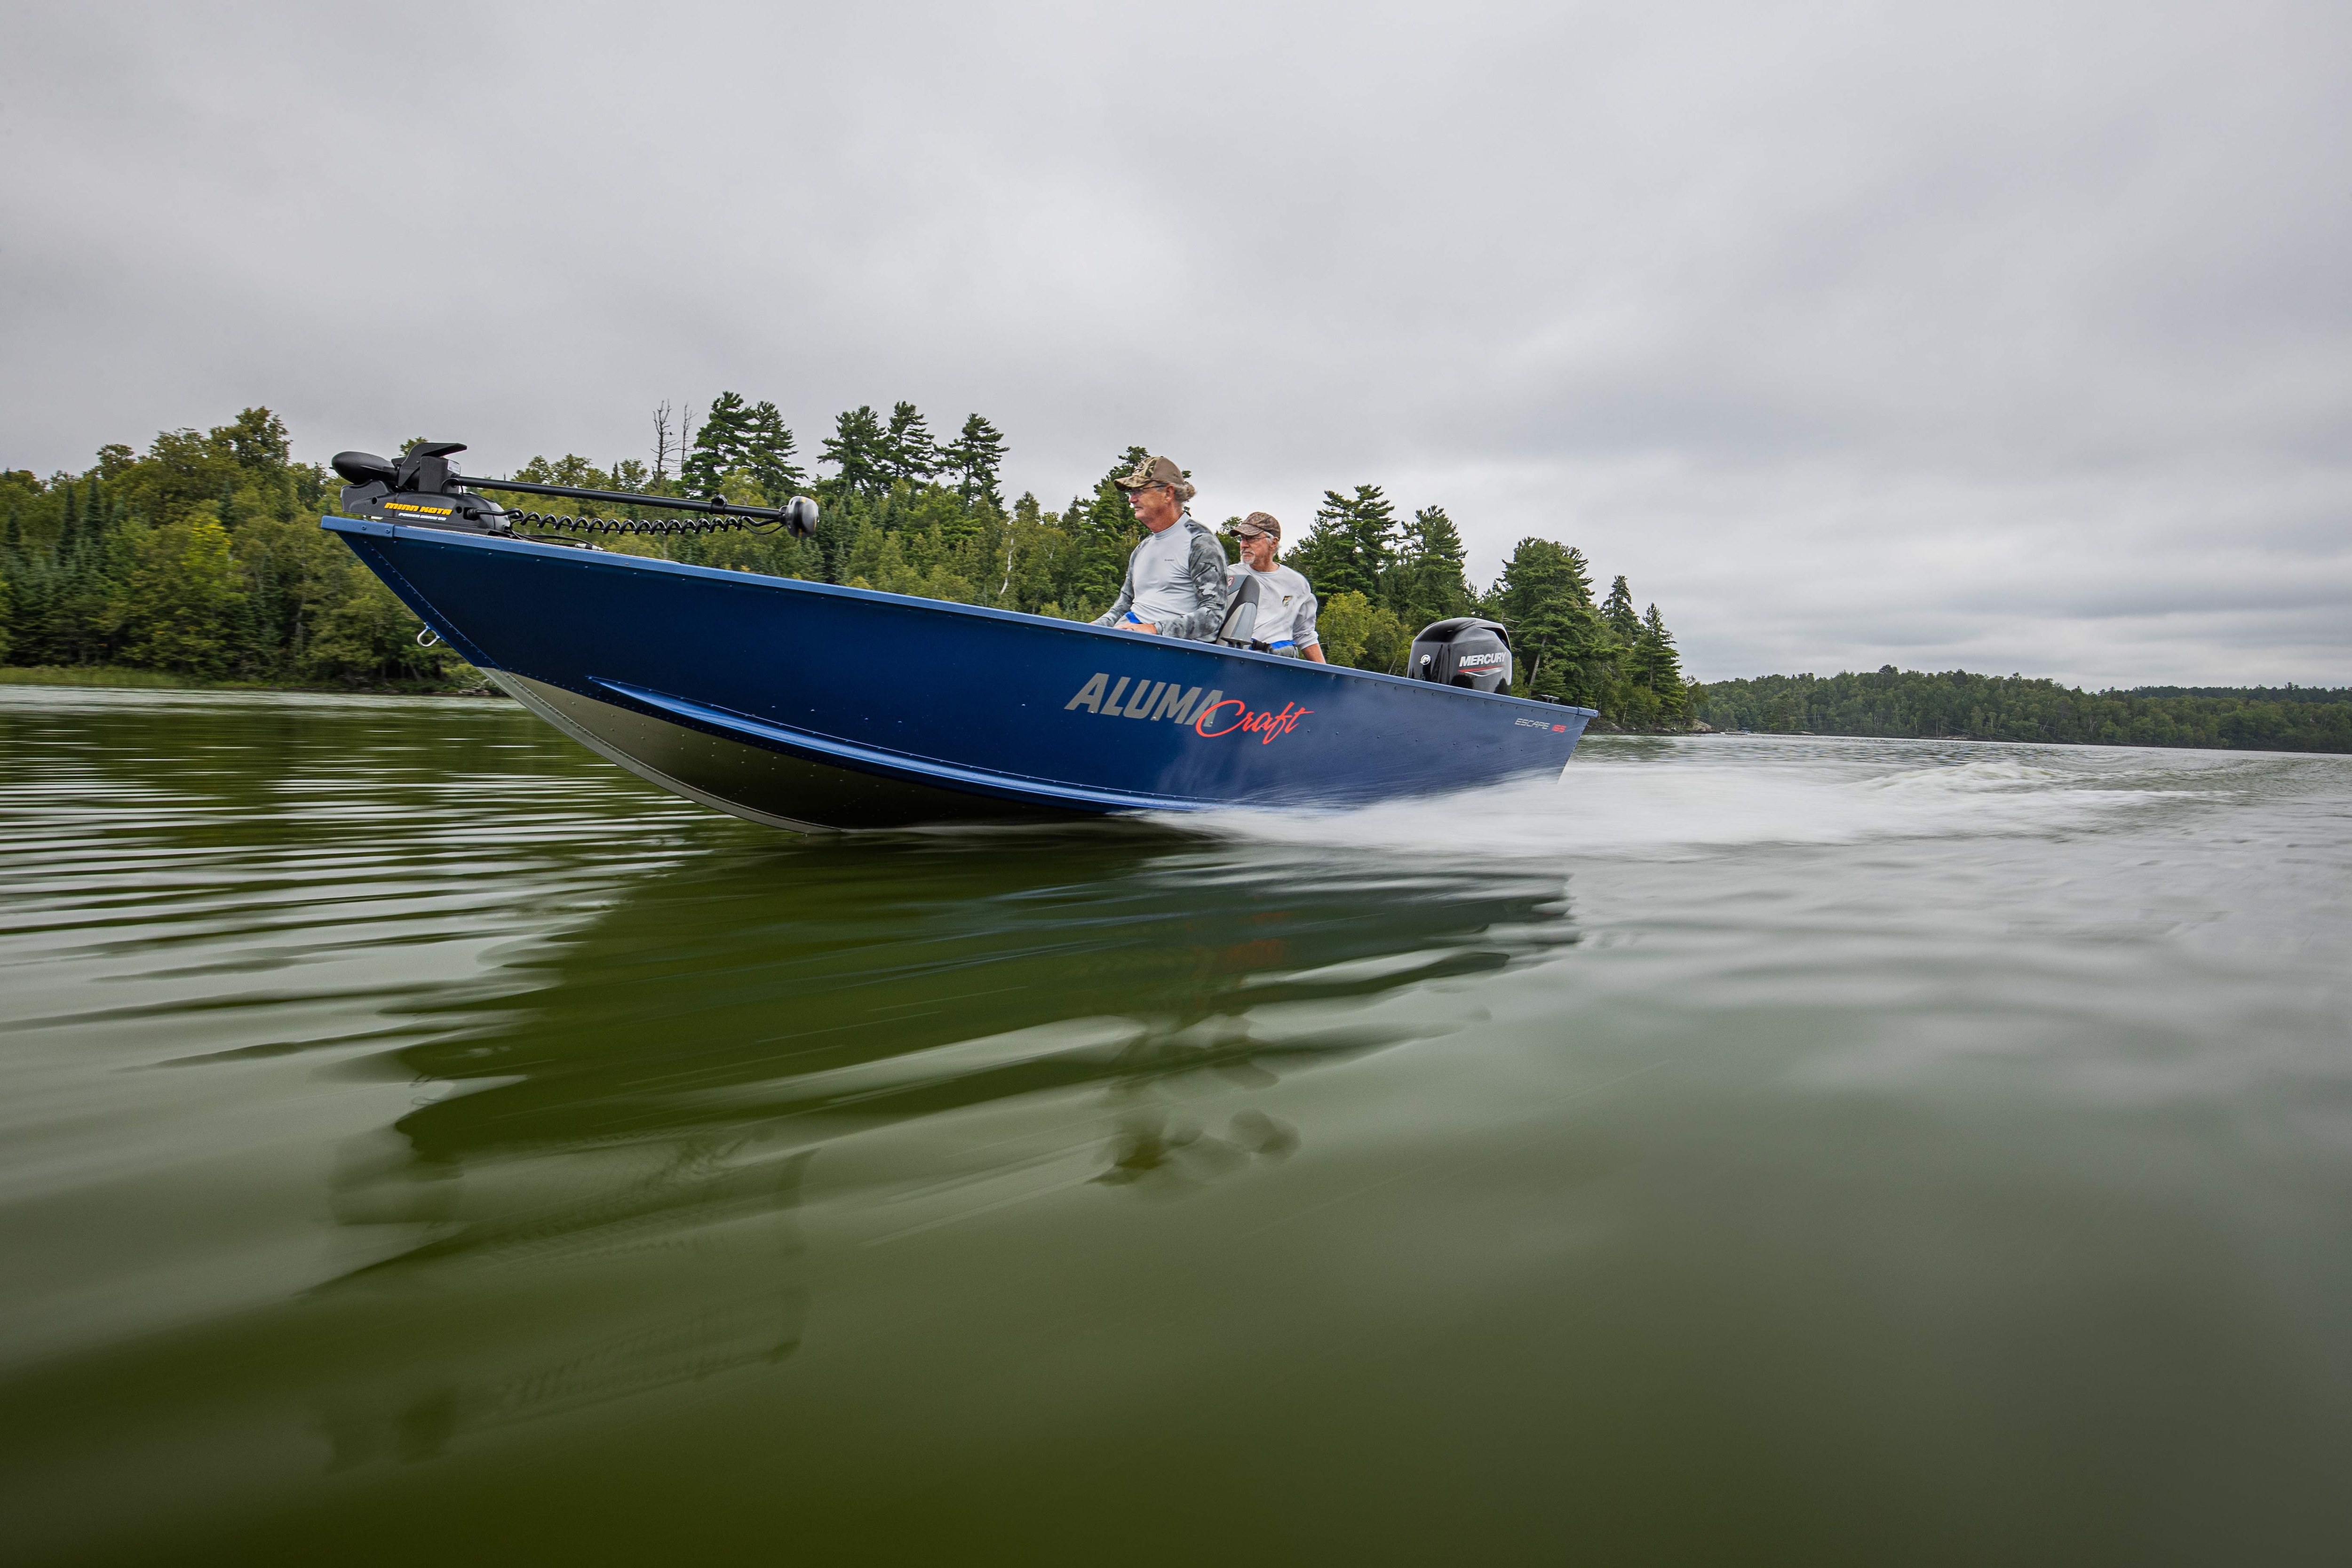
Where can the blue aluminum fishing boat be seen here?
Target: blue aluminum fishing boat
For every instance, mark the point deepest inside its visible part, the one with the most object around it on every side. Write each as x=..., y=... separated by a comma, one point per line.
x=811, y=707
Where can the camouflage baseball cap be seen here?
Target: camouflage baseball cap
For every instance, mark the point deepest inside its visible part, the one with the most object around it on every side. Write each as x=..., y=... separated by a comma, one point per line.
x=1255, y=523
x=1155, y=471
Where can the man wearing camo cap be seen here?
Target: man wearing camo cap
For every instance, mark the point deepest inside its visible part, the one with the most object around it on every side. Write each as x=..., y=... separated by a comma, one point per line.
x=1175, y=583
x=1286, y=604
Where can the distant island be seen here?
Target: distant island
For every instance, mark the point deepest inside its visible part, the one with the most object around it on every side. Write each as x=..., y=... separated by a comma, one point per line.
x=1908, y=704
x=200, y=561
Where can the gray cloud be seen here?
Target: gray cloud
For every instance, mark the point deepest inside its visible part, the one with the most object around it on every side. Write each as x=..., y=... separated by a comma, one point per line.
x=2010, y=337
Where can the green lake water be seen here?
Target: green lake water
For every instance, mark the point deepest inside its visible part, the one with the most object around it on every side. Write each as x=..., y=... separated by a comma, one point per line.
x=422, y=1143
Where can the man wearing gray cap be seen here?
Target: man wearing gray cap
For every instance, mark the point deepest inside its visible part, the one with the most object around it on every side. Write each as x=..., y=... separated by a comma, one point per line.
x=1286, y=604
x=1175, y=583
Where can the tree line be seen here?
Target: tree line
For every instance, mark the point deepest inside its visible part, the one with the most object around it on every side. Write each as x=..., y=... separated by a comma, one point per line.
x=1912, y=704
x=200, y=557
x=203, y=556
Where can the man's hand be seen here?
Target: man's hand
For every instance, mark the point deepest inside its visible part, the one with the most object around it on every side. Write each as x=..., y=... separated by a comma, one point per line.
x=1132, y=625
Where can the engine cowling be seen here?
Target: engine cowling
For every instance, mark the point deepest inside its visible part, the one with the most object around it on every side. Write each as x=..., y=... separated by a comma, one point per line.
x=1466, y=651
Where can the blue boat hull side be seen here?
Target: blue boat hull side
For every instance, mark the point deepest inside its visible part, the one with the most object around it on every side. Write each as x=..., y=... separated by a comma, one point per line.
x=807, y=705
x=764, y=786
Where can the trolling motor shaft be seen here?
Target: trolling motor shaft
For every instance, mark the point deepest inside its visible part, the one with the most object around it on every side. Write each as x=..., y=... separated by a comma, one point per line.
x=422, y=490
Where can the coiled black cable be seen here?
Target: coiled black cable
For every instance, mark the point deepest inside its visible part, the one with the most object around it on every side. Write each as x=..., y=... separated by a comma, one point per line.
x=644, y=525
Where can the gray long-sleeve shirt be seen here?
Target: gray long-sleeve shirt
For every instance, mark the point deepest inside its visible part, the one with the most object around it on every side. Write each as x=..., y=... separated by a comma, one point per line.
x=1181, y=597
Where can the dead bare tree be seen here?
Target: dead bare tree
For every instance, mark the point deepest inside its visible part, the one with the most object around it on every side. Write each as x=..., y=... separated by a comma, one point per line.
x=661, y=442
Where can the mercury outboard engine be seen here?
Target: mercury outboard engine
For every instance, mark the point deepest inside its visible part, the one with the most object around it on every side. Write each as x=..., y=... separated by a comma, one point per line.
x=1467, y=651
x=422, y=490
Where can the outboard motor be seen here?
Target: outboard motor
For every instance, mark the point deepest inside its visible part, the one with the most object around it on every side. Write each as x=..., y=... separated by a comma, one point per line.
x=422, y=490
x=1466, y=651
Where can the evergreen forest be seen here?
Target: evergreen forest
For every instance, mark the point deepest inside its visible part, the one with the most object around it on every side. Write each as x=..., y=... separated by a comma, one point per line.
x=202, y=558
x=1909, y=703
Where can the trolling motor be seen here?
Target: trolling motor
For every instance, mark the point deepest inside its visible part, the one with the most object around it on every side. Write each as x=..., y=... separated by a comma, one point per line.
x=422, y=490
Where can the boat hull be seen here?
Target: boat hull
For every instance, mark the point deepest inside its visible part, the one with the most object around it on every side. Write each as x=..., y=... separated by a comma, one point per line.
x=808, y=706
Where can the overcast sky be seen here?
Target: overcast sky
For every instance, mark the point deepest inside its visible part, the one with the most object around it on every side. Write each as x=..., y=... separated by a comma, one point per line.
x=2005, y=337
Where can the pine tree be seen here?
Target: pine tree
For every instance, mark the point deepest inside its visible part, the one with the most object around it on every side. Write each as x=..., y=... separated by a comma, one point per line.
x=908, y=451
x=768, y=453
x=1561, y=644
x=1432, y=583
x=1107, y=534
x=1352, y=546
x=722, y=445
x=860, y=449
x=1655, y=664
x=977, y=456
x=1625, y=623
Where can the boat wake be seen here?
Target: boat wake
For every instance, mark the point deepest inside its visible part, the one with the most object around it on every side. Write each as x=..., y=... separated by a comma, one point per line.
x=1646, y=799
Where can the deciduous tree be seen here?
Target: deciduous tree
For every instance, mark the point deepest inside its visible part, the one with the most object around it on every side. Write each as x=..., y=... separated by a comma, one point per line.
x=187, y=598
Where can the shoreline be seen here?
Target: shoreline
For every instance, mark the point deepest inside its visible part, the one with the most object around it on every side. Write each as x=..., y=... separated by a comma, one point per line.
x=120, y=677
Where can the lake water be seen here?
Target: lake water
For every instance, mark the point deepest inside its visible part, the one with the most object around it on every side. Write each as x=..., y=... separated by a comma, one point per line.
x=421, y=1142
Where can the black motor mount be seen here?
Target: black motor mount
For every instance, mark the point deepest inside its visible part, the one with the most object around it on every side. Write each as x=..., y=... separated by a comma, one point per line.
x=420, y=489
x=1466, y=651
x=416, y=488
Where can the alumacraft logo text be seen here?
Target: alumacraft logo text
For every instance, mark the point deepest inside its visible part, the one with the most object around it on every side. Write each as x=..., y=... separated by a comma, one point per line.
x=1209, y=716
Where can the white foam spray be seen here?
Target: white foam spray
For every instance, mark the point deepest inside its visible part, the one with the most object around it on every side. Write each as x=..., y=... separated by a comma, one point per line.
x=1647, y=799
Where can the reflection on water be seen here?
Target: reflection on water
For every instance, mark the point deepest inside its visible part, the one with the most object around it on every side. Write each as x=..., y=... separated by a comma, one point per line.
x=450, y=1352
x=632, y=1128
x=785, y=990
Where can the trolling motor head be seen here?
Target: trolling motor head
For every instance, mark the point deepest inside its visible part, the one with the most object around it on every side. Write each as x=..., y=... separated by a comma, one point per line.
x=420, y=489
